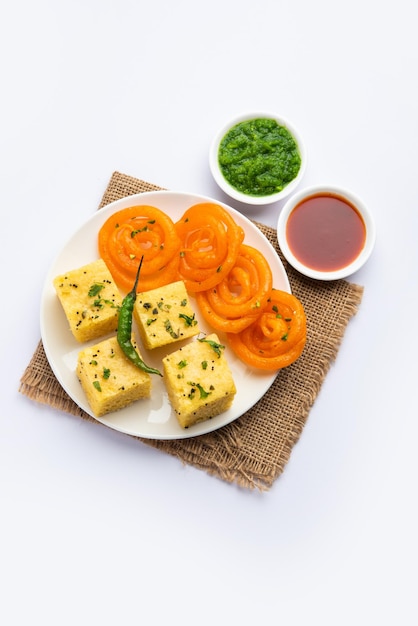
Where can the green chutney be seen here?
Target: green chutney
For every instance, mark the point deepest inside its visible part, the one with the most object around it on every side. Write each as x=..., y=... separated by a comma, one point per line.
x=259, y=157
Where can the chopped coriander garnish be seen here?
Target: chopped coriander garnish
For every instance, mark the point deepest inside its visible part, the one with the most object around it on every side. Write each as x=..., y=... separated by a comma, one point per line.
x=203, y=394
x=217, y=347
x=95, y=289
x=170, y=329
x=188, y=320
x=139, y=230
x=100, y=302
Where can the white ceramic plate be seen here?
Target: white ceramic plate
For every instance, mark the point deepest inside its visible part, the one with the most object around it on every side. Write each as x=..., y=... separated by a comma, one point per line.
x=153, y=418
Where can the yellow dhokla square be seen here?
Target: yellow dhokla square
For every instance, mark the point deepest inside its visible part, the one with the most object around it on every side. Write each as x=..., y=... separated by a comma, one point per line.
x=165, y=315
x=109, y=380
x=199, y=381
x=90, y=299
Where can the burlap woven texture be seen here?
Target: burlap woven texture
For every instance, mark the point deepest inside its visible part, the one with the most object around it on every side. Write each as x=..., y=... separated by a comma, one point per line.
x=252, y=451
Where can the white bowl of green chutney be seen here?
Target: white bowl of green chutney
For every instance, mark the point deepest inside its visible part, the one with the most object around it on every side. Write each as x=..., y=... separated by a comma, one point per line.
x=257, y=158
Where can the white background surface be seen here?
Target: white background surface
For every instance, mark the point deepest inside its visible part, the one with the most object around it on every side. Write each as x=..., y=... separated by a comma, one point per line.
x=99, y=529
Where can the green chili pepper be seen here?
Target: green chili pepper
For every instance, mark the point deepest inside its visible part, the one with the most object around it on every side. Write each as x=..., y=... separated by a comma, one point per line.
x=125, y=329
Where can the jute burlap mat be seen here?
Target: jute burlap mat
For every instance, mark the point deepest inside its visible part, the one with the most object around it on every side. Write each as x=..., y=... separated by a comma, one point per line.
x=252, y=451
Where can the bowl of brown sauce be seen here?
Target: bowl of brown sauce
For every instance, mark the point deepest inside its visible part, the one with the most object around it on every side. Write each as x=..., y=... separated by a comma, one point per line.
x=326, y=232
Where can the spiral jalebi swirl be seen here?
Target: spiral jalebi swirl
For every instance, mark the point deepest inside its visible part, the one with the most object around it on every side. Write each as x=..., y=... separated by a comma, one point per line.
x=140, y=230
x=210, y=243
x=237, y=300
x=277, y=337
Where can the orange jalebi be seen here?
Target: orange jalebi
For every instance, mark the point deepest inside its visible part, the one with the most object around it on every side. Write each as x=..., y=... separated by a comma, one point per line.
x=237, y=300
x=277, y=338
x=140, y=230
x=210, y=242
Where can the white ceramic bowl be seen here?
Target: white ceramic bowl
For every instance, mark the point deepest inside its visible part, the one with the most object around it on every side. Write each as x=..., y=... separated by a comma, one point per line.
x=244, y=197
x=322, y=229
